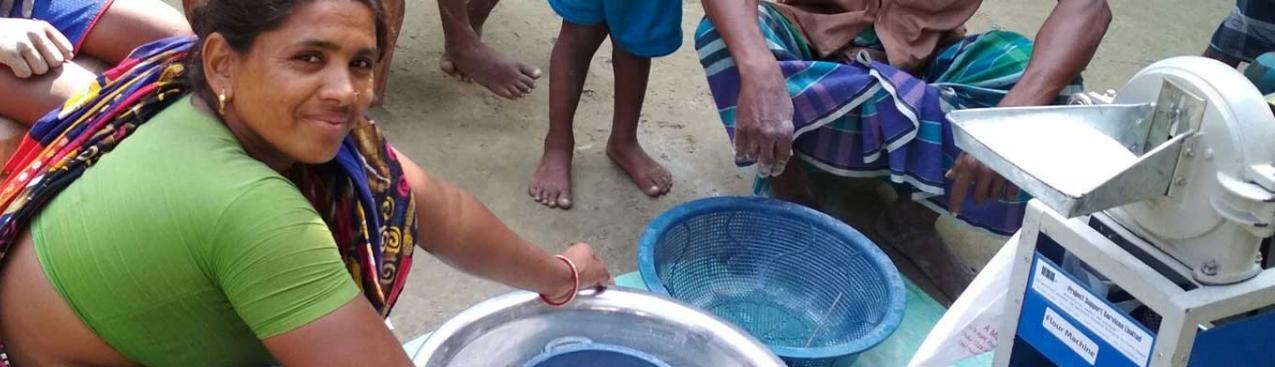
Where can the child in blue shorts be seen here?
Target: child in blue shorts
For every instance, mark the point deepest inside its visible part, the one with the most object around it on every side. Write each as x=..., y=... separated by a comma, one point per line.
x=639, y=30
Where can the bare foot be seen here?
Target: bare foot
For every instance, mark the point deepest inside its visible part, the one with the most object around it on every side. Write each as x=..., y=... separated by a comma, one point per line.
x=450, y=69
x=551, y=184
x=446, y=63
x=502, y=76
x=652, y=178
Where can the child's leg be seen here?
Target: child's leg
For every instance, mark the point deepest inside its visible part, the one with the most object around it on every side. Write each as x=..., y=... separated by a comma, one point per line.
x=631, y=74
x=477, y=11
x=466, y=55
x=568, y=66
x=38, y=95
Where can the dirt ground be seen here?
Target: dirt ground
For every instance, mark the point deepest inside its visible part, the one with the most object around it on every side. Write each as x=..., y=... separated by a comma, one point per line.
x=462, y=133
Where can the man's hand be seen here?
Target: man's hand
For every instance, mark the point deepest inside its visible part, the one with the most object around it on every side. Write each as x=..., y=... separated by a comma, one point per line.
x=32, y=47
x=969, y=173
x=763, y=114
x=763, y=124
x=1064, y=45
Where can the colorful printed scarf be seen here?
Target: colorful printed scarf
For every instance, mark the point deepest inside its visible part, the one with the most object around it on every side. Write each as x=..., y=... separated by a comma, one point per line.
x=362, y=194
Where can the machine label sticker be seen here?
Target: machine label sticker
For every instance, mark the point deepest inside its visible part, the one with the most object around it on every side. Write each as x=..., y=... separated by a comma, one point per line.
x=1068, y=334
x=1093, y=313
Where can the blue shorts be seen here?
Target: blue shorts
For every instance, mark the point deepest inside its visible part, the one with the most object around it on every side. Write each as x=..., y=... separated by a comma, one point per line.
x=74, y=18
x=646, y=28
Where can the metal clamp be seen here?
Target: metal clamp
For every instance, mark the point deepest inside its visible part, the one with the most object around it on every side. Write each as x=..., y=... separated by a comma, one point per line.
x=1248, y=204
x=1177, y=112
x=1263, y=175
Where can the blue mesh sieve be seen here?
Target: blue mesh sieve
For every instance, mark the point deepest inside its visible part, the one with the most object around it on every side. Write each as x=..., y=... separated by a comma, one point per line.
x=816, y=291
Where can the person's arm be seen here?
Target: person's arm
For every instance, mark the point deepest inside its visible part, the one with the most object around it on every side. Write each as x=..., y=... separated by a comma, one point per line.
x=278, y=266
x=1064, y=45
x=353, y=335
x=763, y=121
x=736, y=21
x=459, y=230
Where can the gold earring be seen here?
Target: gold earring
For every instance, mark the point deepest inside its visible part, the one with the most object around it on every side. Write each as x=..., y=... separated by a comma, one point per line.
x=221, y=103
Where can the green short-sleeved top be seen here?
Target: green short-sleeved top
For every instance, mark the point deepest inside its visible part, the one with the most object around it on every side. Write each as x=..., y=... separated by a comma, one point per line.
x=178, y=249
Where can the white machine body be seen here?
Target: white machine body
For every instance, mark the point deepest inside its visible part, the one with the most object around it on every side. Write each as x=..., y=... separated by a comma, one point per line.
x=1166, y=194
x=1222, y=200
x=1182, y=156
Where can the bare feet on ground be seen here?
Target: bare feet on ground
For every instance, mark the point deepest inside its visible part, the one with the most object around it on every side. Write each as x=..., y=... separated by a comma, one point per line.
x=445, y=63
x=551, y=183
x=503, y=76
x=652, y=178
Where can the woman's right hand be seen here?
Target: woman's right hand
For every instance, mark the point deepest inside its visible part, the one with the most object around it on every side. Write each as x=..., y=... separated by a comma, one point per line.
x=32, y=47
x=592, y=271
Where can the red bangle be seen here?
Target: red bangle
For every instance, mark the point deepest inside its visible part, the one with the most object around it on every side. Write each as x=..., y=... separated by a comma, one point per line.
x=575, y=284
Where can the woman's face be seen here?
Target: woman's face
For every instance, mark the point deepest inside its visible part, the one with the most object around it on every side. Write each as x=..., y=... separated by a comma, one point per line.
x=300, y=87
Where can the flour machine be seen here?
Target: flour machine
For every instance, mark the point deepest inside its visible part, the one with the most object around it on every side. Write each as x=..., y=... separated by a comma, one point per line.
x=1143, y=245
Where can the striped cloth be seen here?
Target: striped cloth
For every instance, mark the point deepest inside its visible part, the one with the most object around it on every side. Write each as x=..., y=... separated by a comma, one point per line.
x=865, y=118
x=1248, y=31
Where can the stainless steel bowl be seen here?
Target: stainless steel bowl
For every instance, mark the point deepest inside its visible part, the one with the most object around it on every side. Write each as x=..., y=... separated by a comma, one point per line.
x=511, y=329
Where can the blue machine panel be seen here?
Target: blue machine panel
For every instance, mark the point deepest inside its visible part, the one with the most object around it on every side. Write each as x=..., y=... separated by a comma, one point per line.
x=1071, y=326
x=1247, y=342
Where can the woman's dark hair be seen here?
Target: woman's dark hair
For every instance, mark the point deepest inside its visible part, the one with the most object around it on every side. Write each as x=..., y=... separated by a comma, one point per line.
x=241, y=21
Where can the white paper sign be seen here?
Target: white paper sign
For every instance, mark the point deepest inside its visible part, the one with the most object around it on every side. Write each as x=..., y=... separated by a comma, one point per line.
x=1093, y=313
x=1069, y=335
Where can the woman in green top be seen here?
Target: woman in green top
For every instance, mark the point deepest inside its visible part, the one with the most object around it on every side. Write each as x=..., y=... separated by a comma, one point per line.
x=191, y=243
